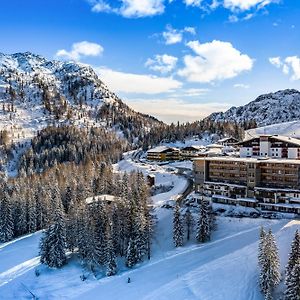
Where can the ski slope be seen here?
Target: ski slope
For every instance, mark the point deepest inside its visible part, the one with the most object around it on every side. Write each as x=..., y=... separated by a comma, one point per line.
x=291, y=129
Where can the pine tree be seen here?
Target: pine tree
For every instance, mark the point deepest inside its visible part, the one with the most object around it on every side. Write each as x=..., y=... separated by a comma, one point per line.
x=53, y=243
x=262, y=239
x=189, y=222
x=6, y=213
x=270, y=266
x=178, y=232
x=131, y=254
x=204, y=223
x=111, y=264
x=294, y=256
x=293, y=283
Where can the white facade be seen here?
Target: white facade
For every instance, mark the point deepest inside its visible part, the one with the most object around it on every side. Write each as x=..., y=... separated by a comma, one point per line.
x=265, y=148
x=246, y=152
x=293, y=153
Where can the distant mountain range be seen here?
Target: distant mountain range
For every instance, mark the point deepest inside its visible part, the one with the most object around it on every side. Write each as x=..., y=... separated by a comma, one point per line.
x=273, y=108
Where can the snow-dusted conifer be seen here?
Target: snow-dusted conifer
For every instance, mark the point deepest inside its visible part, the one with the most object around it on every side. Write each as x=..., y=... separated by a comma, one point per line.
x=178, y=231
x=293, y=283
x=6, y=213
x=111, y=265
x=189, y=223
x=204, y=223
x=53, y=243
x=294, y=255
x=270, y=266
x=262, y=240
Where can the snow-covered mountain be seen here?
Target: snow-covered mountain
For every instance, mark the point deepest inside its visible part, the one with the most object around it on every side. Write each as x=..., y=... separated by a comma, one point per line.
x=35, y=91
x=282, y=106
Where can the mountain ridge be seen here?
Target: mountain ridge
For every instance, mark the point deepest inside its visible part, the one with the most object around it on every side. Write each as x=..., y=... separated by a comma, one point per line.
x=267, y=109
x=36, y=92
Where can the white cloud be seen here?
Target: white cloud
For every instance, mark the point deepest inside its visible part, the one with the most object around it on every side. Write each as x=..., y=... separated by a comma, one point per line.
x=80, y=49
x=290, y=64
x=162, y=63
x=191, y=30
x=293, y=62
x=192, y=2
x=172, y=36
x=195, y=92
x=241, y=86
x=173, y=109
x=243, y=5
x=137, y=83
x=214, y=61
x=131, y=8
x=233, y=19
x=101, y=6
x=275, y=61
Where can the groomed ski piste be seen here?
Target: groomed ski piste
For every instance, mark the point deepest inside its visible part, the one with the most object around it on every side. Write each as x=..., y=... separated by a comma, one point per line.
x=224, y=268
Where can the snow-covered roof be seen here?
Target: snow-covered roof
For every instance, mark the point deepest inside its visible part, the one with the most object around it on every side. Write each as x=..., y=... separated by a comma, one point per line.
x=227, y=139
x=105, y=197
x=161, y=149
x=281, y=138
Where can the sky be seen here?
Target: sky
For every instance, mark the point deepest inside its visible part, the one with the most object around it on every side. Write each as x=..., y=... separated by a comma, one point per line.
x=178, y=60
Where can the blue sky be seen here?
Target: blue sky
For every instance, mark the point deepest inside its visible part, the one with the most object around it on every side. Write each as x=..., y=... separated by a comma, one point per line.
x=179, y=59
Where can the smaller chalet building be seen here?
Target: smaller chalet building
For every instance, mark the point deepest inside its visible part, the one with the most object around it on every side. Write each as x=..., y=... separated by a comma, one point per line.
x=163, y=153
x=228, y=141
x=273, y=146
x=191, y=151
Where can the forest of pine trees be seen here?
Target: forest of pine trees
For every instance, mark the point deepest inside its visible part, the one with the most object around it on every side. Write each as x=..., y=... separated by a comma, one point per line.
x=269, y=264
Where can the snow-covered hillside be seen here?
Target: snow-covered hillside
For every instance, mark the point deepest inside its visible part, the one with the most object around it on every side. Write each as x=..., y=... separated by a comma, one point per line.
x=282, y=106
x=35, y=91
x=291, y=129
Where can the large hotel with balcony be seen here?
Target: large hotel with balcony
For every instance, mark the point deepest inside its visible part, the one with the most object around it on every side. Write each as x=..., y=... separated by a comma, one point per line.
x=265, y=176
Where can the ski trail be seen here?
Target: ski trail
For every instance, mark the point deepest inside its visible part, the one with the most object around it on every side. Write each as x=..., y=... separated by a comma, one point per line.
x=4, y=245
x=18, y=270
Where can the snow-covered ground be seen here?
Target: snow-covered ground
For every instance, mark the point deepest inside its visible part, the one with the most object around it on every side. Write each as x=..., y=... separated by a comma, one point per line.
x=225, y=268
x=291, y=129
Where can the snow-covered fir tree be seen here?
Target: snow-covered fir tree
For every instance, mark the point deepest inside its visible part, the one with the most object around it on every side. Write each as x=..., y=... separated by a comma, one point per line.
x=6, y=212
x=262, y=239
x=189, y=223
x=294, y=256
x=53, y=243
x=111, y=265
x=178, y=231
x=292, y=291
x=204, y=222
x=269, y=266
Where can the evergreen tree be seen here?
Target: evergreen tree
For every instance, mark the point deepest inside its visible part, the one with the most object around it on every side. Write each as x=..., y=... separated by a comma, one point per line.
x=6, y=213
x=111, y=264
x=293, y=283
x=270, y=266
x=178, y=232
x=131, y=254
x=53, y=243
x=189, y=223
x=262, y=239
x=294, y=256
x=204, y=223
